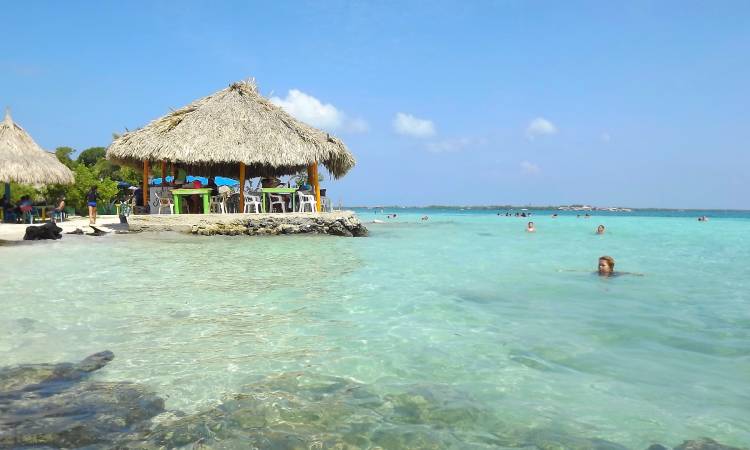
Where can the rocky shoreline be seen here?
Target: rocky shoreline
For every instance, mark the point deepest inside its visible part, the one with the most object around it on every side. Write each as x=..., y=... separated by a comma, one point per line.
x=58, y=406
x=343, y=223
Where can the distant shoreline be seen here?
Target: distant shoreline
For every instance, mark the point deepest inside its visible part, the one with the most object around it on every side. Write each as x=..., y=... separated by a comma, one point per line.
x=543, y=208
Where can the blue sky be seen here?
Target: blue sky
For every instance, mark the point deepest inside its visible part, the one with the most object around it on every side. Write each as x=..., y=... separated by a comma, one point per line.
x=509, y=102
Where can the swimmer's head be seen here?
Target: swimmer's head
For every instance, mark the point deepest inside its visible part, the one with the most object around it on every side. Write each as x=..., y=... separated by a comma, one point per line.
x=531, y=225
x=606, y=265
x=600, y=229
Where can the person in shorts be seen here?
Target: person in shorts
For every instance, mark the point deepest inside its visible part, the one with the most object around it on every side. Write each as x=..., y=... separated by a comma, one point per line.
x=91, y=198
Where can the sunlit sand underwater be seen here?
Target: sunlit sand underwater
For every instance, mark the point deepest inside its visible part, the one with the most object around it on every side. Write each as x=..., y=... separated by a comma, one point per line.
x=463, y=327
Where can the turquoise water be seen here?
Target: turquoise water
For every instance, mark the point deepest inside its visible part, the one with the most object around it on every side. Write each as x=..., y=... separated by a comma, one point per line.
x=506, y=334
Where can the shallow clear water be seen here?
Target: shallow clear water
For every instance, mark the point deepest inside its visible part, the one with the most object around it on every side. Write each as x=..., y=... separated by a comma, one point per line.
x=465, y=308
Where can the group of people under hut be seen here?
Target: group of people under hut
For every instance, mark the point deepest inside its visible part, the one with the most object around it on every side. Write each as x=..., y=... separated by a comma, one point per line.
x=194, y=202
x=24, y=210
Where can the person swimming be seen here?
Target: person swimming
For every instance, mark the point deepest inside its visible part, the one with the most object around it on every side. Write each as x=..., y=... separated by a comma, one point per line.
x=600, y=229
x=530, y=227
x=606, y=266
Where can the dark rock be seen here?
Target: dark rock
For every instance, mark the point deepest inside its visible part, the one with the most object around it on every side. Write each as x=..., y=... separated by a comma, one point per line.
x=46, y=231
x=338, y=229
x=87, y=414
x=359, y=231
x=704, y=444
x=76, y=231
x=32, y=377
x=97, y=231
x=656, y=447
x=49, y=405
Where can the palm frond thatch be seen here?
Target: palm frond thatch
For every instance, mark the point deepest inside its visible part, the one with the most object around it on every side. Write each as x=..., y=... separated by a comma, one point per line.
x=23, y=161
x=214, y=134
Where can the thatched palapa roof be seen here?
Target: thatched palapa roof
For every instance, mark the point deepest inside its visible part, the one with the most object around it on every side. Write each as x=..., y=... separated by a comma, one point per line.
x=23, y=161
x=213, y=135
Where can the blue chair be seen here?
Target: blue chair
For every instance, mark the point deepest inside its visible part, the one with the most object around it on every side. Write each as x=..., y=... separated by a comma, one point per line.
x=58, y=213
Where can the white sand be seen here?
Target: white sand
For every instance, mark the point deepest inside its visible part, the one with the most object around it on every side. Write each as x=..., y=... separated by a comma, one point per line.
x=15, y=232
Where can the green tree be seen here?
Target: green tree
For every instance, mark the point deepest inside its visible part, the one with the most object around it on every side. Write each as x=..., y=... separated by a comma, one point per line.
x=106, y=169
x=63, y=155
x=84, y=179
x=130, y=175
x=19, y=190
x=92, y=155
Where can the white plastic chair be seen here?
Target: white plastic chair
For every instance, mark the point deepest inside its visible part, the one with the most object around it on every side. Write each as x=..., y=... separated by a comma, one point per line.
x=226, y=192
x=164, y=202
x=252, y=202
x=218, y=204
x=307, y=200
x=277, y=200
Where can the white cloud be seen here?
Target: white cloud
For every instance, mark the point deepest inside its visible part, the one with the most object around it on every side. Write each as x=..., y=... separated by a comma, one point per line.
x=606, y=137
x=529, y=168
x=540, y=126
x=412, y=126
x=312, y=111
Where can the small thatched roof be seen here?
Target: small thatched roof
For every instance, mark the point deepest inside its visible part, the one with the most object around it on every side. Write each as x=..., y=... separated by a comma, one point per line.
x=23, y=161
x=214, y=134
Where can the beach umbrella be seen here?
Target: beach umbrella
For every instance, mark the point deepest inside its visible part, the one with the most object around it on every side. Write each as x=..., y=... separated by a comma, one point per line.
x=23, y=161
x=233, y=132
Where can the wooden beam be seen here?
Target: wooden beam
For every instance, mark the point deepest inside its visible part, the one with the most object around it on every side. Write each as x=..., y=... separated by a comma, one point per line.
x=242, y=188
x=313, y=170
x=145, y=183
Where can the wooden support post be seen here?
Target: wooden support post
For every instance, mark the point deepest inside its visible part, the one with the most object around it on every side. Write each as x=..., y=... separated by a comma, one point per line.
x=163, y=173
x=242, y=188
x=145, y=183
x=312, y=170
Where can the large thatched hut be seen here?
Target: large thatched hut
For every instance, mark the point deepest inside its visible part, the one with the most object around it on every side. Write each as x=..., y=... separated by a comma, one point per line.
x=234, y=132
x=23, y=161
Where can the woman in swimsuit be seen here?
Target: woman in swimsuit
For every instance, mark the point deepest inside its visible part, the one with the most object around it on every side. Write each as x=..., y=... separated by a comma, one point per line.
x=91, y=199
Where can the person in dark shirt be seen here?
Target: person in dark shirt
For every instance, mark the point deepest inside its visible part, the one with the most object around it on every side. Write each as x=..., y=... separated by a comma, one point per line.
x=138, y=194
x=8, y=210
x=91, y=198
x=212, y=185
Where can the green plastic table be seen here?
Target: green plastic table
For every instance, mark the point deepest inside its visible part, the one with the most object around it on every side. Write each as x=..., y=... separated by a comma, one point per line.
x=277, y=190
x=203, y=192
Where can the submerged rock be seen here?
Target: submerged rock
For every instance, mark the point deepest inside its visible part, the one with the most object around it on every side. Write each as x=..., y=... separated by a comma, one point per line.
x=704, y=444
x=56, y=406
x=52, y=405
x=29, y=377
x=85, y=414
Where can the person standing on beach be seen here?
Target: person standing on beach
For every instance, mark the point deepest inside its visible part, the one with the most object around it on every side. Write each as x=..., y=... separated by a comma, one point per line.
x=91, y=199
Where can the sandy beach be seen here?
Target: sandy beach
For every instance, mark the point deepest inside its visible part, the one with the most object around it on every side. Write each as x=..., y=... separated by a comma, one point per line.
x=15, y=232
